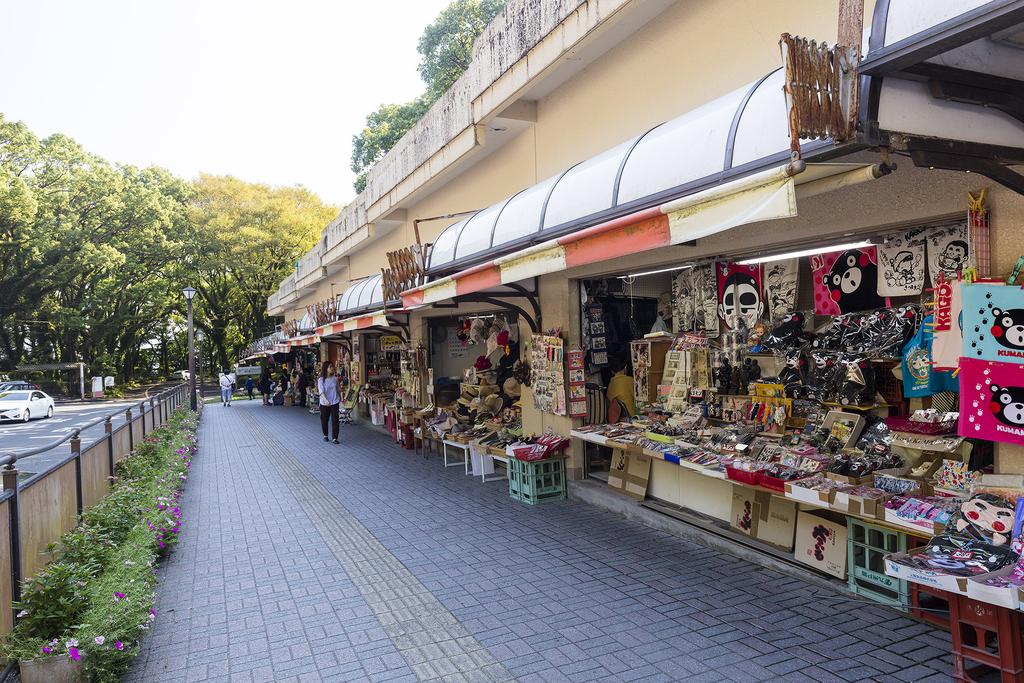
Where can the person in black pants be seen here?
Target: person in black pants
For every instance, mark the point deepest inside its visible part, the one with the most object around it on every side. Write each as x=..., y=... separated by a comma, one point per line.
x=330, y=399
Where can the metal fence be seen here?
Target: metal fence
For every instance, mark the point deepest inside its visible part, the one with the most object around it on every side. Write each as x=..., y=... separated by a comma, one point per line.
x=39, y=509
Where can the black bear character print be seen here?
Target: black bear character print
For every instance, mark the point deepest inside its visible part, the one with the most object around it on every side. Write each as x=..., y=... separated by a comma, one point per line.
x=1008, y=405
x=1008, y=327
x=853, y=282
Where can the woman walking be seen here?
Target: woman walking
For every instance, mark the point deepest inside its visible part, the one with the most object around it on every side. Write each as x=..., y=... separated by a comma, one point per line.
x=264, y=386
x=330, y=398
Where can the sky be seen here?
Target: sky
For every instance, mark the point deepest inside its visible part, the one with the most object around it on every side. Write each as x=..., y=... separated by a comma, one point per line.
x=266, y=91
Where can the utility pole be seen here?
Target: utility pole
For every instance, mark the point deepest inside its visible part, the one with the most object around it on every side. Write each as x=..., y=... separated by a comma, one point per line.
x=189, y=293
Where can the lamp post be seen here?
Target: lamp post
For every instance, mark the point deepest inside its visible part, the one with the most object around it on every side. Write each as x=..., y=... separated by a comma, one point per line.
x=189, y=293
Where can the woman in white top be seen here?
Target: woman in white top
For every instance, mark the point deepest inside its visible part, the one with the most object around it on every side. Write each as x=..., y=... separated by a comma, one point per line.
x=330, y=399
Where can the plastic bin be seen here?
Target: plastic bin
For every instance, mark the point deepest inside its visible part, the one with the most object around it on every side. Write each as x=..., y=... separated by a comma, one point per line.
x=536, y=482
x=867, y=546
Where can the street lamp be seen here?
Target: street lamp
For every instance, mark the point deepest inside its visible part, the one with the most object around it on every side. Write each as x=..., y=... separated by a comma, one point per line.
x=189, y=293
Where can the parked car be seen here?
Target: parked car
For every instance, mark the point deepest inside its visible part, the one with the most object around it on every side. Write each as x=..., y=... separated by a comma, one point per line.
x=17, y=384
x=23, y=405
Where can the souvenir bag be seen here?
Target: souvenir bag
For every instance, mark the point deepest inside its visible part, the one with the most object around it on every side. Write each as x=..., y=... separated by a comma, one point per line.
x=788, y=333
x=792, y=376
x=919, y=376
x=780, y=286
x=947, y=342
x=993, y=323
x=991, y=401
x=901, y=265
x=683, y=301
x=846, y=281
x=948, y=251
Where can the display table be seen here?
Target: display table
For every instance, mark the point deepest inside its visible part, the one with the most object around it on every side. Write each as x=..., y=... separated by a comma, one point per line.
x=455, y=445
x=483, y=458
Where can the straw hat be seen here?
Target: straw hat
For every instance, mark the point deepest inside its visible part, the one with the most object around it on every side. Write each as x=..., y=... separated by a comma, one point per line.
x=511, y=387
x=485, y=390
x=493, y=404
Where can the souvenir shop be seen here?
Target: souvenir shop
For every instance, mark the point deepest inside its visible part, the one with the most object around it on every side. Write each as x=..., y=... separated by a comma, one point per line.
x=853, y=405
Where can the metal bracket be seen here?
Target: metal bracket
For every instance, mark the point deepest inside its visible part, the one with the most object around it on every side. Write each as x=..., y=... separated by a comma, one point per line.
x=991, y=161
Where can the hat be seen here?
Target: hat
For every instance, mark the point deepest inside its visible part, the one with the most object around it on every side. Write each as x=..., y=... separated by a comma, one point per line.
x=485, y=390
x=493, y=403
x=463, y=401
x=502, y=338
x=482, y=363
x=511, y=387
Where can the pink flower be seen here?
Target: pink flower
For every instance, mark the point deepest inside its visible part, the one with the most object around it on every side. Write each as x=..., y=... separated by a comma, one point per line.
x=152, y=614
x=118, y=596
x=73, y=653
x=118, y=644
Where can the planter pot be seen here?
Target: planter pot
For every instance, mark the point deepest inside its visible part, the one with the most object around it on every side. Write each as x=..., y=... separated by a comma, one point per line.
x=55, y=669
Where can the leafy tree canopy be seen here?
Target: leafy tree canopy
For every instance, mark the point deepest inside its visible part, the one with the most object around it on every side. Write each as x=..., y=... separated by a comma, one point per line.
x=445, y=48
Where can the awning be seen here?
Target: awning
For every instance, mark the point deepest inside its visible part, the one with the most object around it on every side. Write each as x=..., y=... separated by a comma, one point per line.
x=763, y=196
x=359, y=322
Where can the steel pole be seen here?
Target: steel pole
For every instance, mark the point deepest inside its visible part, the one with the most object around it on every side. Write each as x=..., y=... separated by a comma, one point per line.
x=202, y=383
x=191, y=361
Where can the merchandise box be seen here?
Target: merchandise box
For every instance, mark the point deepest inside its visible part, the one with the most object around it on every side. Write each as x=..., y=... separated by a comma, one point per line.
x=872, y=508
x=852, y=481
x=1004, y=596
x=925, y=577
x=589, y=436
x=630, y=473
x=855, y=421
x=821, y=543
x=808, y=496
x=923, y=526
x=778, y=526
x=746, y=510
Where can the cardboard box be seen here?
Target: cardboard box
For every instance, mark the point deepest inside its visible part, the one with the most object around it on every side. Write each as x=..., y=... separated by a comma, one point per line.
x=629, y=472
x=1009, y=458
x=761, y=515
x=925, y=577
x=924, y=527
x=1004, y=596
x=807, y=495
x=821, y=543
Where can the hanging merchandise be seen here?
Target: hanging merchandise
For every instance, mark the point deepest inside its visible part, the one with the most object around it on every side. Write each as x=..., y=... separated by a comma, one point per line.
x=548, y=373
x=683, y=308
x=577, y=384
x=780, y=286
x=919, y=377
x=948, y=252
x=598, y=334
x=992, y=400
x=948, y=341
x=993, y=323
x=739, y=294
x=846, y=281
x=978, y=222
x=705, y=295
x=901, y=265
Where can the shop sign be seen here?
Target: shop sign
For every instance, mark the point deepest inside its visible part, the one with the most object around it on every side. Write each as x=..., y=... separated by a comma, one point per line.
x=245, y=370
x=390, y=343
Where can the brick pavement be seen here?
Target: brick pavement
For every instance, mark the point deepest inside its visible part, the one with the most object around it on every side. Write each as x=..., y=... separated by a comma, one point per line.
x=305, y=561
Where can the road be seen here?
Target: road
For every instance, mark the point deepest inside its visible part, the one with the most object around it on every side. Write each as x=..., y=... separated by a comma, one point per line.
x=17, y=437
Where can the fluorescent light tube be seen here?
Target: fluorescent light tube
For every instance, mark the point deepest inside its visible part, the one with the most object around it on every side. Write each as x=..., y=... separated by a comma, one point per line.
x=653, y=272
x=806, y=252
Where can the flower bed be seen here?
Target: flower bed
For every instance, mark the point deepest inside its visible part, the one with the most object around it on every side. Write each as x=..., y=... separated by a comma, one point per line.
x=93, y=603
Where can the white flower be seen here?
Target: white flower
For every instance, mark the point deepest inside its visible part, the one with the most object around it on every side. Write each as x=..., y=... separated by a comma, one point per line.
x=72, y=643
x=23, y=613
x=100, y=640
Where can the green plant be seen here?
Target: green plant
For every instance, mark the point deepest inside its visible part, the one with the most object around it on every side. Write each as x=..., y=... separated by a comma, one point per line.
x=95, y=600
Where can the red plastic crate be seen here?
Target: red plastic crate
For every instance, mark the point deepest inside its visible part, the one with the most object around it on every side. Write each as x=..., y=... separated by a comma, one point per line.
x=985, y=635
x=743, y=476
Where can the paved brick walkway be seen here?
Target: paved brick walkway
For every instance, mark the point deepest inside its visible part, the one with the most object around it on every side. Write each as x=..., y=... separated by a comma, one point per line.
x=305, y=561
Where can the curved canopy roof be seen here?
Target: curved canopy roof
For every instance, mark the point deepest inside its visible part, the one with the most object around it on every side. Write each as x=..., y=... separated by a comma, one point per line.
x=731, y=135
x=365, y=293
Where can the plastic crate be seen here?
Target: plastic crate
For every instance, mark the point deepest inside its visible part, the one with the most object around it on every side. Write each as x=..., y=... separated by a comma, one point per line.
x=536, y=482
x=867, y=546
x=988, y=641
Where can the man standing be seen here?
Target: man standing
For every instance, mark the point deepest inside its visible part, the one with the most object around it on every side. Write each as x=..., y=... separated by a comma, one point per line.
x=226, y=385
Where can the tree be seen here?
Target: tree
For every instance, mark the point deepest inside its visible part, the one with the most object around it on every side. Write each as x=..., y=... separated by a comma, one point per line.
x=243, y=239
x=446, y=47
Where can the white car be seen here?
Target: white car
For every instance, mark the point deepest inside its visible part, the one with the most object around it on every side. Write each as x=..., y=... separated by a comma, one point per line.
x=23, y=405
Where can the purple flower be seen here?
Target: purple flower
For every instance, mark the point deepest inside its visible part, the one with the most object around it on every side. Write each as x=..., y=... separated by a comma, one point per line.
x=152, y=614
x=118, y=644
x=47, y=651
x=118, y=596
x=73, y=653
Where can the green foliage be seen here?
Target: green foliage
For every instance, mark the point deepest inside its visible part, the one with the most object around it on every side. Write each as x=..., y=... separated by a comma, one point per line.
x=93, y=257
x=445, y=47
x=97, y=597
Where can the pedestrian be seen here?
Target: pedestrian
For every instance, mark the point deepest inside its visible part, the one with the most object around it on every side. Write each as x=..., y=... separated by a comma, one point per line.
x=226, y=384
x=249, y=386
x=301, y=383
x=330, y=399
x=264, y=386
